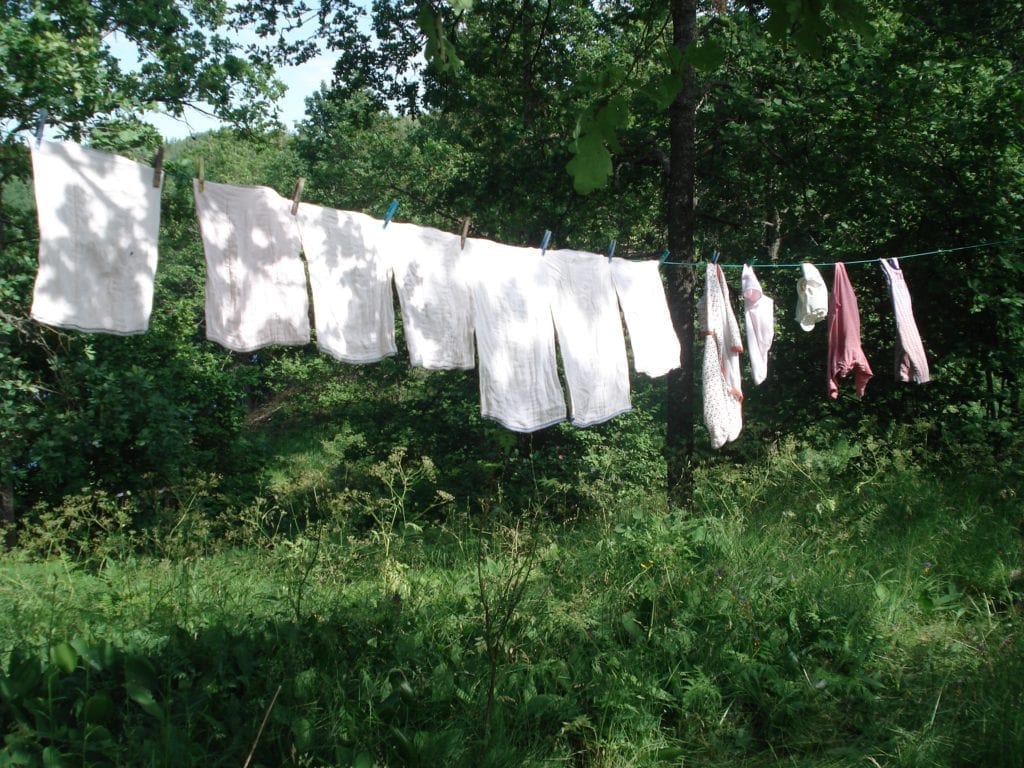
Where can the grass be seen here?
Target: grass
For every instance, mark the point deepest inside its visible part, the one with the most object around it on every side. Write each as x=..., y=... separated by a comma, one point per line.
x=819, y=609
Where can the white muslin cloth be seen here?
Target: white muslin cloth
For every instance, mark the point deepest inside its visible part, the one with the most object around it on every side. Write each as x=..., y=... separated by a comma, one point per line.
x=652, y=336
x=433, y=295
x=255, y=281
x=759, y=314
x=515, y=336
x=723, y=395
x=351, y=284
x=590, y=337
x=99, y=220
x=811, y=297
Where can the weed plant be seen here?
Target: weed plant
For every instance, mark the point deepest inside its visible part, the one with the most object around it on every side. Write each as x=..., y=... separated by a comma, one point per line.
x=818, y=607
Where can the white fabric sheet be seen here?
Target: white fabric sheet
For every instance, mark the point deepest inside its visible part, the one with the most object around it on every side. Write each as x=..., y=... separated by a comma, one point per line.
x=652, y=337
x=515, y=337
x=593, y=347
x=433, y=295
x=351, y=284
x=255, y=282
x=99, y=220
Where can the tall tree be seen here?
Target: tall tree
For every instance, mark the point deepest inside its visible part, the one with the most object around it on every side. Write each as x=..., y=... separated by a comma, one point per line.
x=682, y=280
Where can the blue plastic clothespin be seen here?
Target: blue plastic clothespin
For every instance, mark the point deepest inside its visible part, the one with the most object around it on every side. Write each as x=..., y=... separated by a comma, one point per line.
x=41, y=125
x=664, y=256
x=391, y=213
x=714, y=257
x=611, y=250
x=545, y=241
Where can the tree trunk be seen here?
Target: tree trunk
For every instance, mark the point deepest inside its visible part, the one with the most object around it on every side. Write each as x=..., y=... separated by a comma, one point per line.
x=682, y=279
x=7, y=512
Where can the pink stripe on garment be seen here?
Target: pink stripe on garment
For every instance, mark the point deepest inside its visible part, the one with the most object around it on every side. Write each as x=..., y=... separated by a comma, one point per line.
x=911, y=361
x=845, y=355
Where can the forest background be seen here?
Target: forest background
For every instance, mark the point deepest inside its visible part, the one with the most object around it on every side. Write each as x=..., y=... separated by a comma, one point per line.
x=280, y=559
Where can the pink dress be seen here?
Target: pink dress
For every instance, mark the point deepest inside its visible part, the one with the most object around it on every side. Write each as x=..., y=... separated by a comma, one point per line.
x=845, y=355
x=723, y=396
x=911, y=362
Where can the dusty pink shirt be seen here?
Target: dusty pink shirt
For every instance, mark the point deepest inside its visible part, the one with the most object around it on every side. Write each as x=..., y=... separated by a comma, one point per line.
x=844, y=351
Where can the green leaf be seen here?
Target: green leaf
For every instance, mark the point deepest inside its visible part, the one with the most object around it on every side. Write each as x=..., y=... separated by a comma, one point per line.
x=304, y=734
x=592, y=165
x=631, y=625
x=64, y=656
x=52, y=758
x=662, y=90
x=461, y=6
x=98, y=708
x=706, y=56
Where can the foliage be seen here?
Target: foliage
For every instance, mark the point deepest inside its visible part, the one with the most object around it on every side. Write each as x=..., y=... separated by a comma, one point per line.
x=57, y=55
x=828, y=606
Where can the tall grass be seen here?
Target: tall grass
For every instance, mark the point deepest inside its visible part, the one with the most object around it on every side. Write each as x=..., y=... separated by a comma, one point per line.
x=819, y=608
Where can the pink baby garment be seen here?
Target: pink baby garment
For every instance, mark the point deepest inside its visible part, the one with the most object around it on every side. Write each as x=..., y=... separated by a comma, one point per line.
x=911, y=361
x=723, y=395
x=845, y=355
x=759, y=313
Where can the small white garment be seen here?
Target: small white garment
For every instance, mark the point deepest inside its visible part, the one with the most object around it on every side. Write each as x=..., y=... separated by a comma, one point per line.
x=351, y=284
x=99, y=220
x=590, y=337
x=515, y=336
x=652, y=336
x=723, y=395
x=911, y=363
x=433, y=295
x=759, y=314
x=811, y=297
x=255, y=281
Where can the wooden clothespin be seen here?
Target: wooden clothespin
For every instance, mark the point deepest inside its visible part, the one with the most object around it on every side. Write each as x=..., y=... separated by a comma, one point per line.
x=297, y=194
x=158, y=167
x=199, y=174
x=465, y=231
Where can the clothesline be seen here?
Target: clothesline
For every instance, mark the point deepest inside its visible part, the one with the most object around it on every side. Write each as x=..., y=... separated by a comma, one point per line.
x=937, y=252
x=664, y=256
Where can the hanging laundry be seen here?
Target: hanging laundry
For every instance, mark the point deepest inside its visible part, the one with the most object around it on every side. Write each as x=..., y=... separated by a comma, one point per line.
x=590, y=337
x=433, y=295
x=99, y=220
x=911, y=361
x=515, y=337
x=350, y=281
x=845, y=355
x=652, y=336
x=759, y=314
x=255, y=282
x=811, y=297
x=723, y=396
